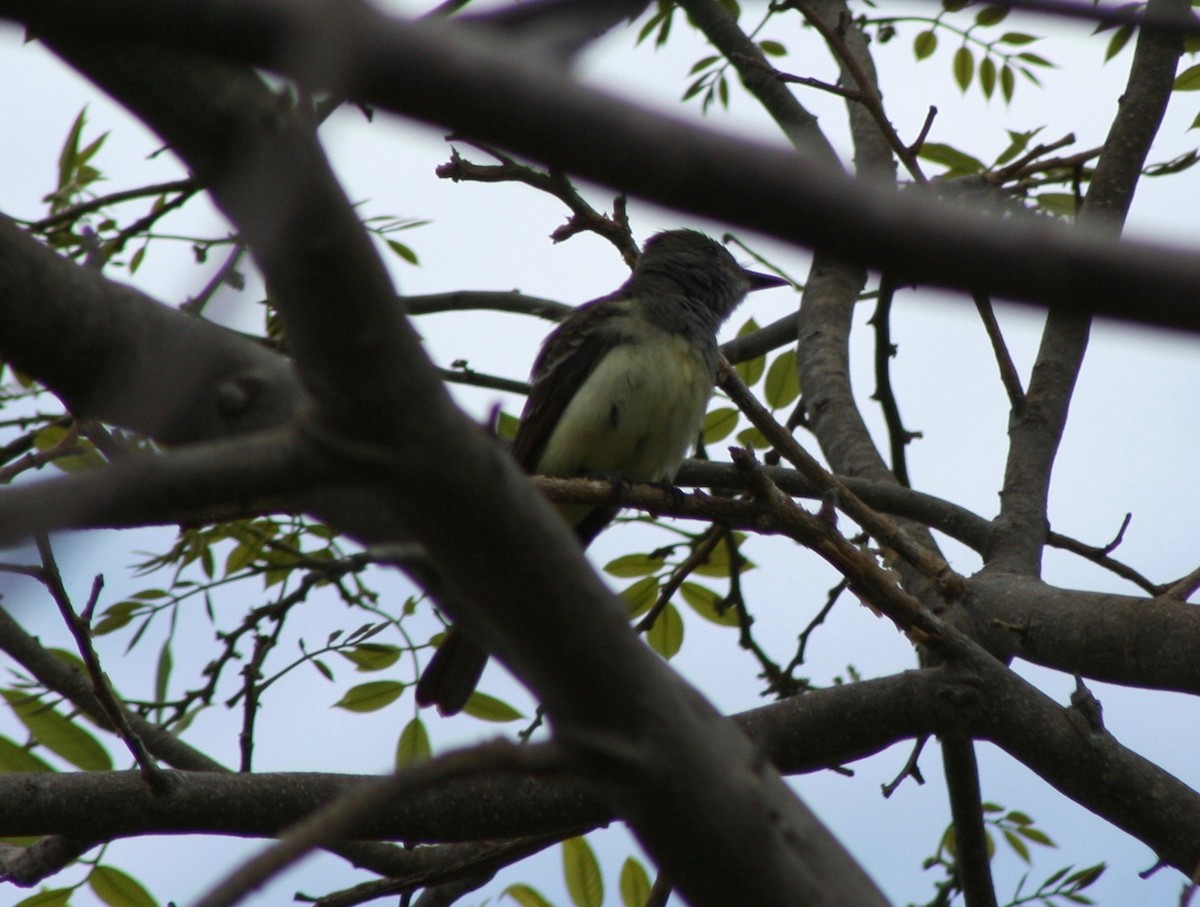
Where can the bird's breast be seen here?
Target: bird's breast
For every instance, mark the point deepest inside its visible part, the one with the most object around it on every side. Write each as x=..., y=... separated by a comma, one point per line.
x=637, y=413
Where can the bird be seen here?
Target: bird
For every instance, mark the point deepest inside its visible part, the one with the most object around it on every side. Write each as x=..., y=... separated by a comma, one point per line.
x=619, y=388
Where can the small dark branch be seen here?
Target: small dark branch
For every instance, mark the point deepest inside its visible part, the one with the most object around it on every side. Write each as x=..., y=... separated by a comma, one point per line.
x=584, y=218
x=849, y=94
x=702, y=549
x=770, y=670
x=251, y=675
x=866, y=578
x=1008, y=369
x=464, y=866
x=899, y=437
x=1099, y=556
x=470, y=300
x=1087, y=705
x=1027, y=163
x=919, y=141
x=868, y=94
x=67, y=215
x=1160, y=20
x=831, y=599
x=226, y=274
x=460, y=374
x=966, y=808
x=775, y=335
x=26, y=866
x=882, y=528
x=911, y=769
x=142, y=224
x=80, y=627
x=333, y=822
x=67, y=445
x=660, y=892
x=1182, y=588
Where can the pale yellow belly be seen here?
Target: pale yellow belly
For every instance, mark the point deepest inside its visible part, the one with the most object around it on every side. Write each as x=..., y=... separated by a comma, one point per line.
x=637, y=414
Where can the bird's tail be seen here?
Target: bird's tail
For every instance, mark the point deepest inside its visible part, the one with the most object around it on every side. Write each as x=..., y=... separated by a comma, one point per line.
x=452, y=674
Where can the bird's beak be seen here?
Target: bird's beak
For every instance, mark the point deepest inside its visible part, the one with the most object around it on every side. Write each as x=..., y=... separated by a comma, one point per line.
x=760, y=281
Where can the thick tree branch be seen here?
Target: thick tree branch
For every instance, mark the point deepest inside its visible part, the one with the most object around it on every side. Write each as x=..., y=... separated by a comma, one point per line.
x=464, y=78
x=379, y=402
x=1037, y=427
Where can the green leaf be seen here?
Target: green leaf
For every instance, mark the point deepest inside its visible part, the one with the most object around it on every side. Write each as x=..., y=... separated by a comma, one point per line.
x=162, y=671
x=640, y=596
x=783, y=384
x=752, y=437
x=772, y=48
x=115, y=616
x=695, y=88
x=1036, y=59
x=720, y=422
x=634, y=884
x=1036, y=835
x=732, y=7
x=370, y=697
x=371, y=656
x=413, y=745
x=666, y=636
x=708, y=604
x=118, y=889
x=506, y=425
x=1008, y=82
x=14, y=758
x=963, y=67
x=1017, y=845
x=582, y=873
x=1018, y=38
x=56, y=897
x=991, y=15
x=925, y=44
x=702, y=63
x=1118, y=41
x=957, y=162
x=752, y=369
x=69, y=154
x=718, y=562
x=1060, y=204
x=634, y=565
x=403, y=251
x=489, y=708
x=1018, y=818
x=58, y=734
x=1019, y=142
x=136, y=261
x=525, y=896
x=1189, y=79
x=987, y=76
x=1195, y=123
x=1086, y=876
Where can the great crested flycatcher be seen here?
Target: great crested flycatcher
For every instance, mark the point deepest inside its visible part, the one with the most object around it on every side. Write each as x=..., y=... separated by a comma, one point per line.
x=620, y=387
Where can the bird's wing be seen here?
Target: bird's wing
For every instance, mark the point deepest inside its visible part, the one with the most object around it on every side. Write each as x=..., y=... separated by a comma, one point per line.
x=569, y=355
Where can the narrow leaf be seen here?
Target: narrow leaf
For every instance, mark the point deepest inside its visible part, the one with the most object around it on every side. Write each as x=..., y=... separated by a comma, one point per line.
x=488, y=708
x=413, y=745
x=666, y=636
x=370, y=697
x=963, y=67
x=582, y=873
x=635, y=884
x=119, y=889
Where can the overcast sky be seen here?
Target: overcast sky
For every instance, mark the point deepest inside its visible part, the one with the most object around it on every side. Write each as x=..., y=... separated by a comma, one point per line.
x=1130, y=445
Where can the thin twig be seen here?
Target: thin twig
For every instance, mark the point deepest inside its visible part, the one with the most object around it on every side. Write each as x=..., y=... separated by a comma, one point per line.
x=880, y=527
x=899, y=437
x=1008, y=369
x=869, y=94
x=80, y=628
